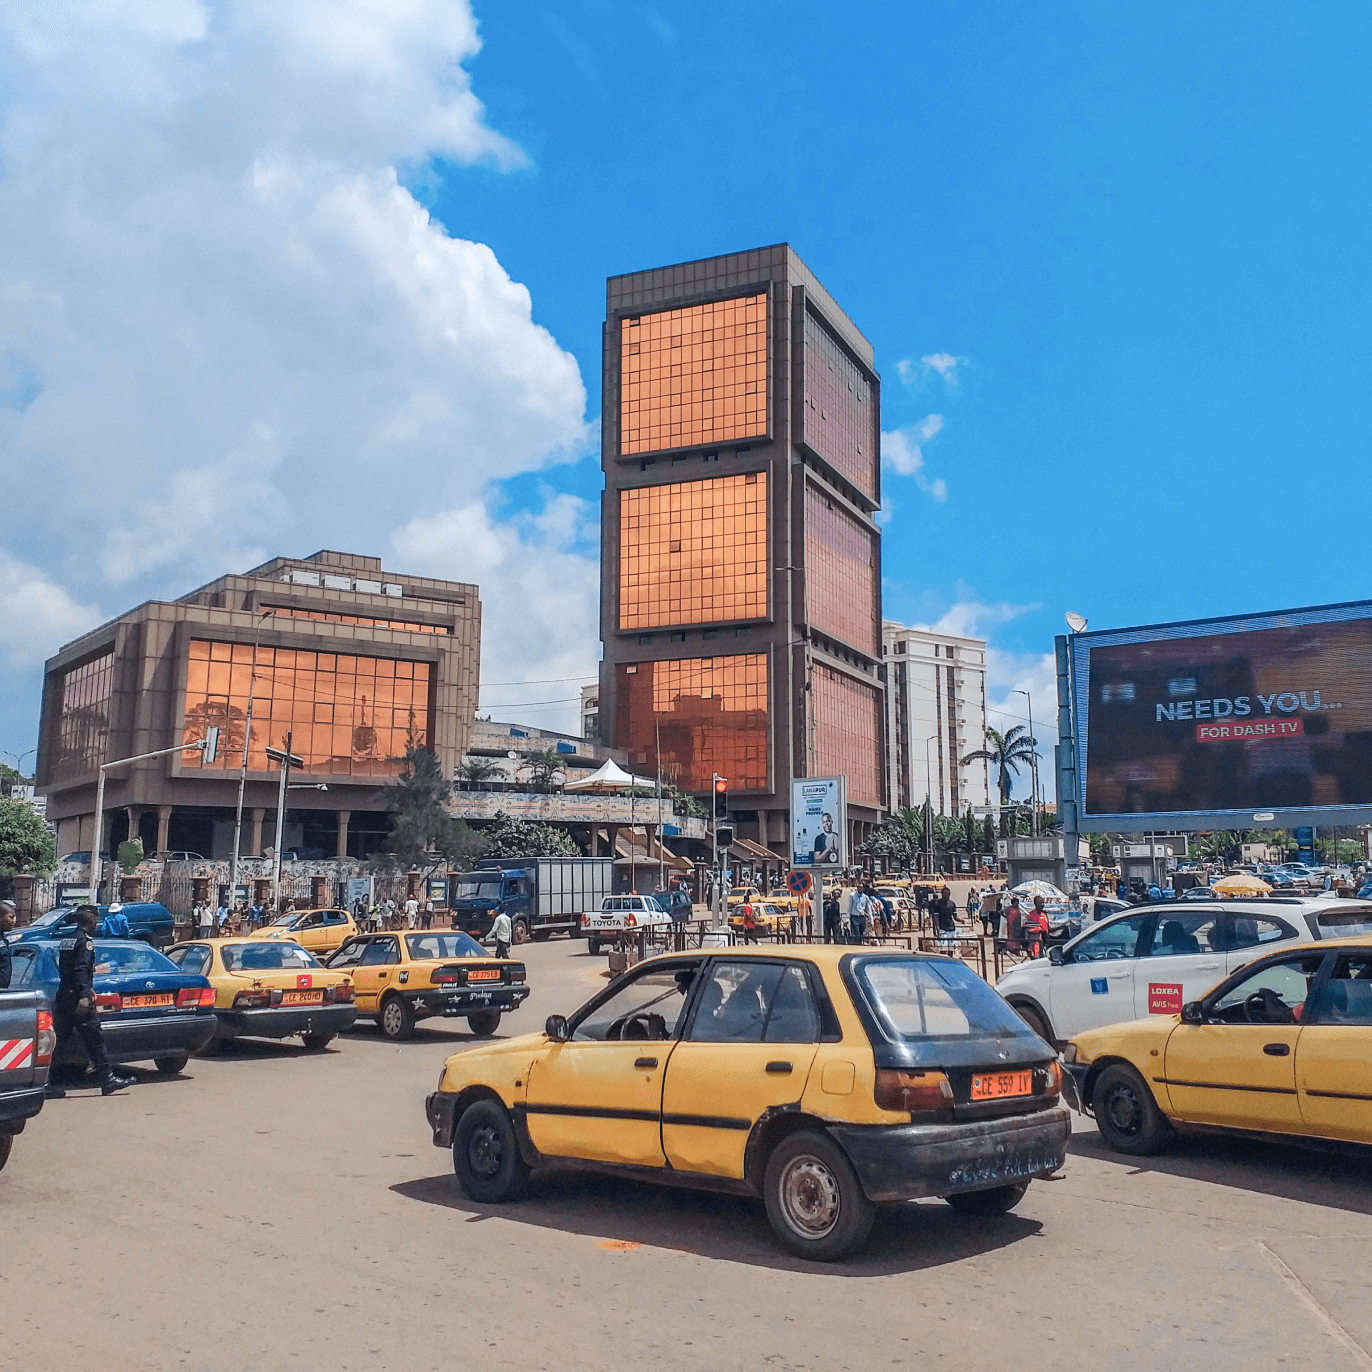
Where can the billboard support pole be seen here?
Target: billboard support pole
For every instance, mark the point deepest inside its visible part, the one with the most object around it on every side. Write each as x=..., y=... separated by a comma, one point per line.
x=1065, y=757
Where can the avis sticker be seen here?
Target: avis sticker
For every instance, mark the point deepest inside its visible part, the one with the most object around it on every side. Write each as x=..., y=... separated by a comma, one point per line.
x=1100, y=986
x=1164, y=998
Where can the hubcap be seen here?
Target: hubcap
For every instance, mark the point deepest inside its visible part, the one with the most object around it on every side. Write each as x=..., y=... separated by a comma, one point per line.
x=390, y=1018
x=484, y=1152
x=1122, y=1110
x=810, y=1197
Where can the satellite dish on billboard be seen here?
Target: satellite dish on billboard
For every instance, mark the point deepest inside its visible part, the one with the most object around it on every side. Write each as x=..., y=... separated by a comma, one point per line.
x=1076, y=622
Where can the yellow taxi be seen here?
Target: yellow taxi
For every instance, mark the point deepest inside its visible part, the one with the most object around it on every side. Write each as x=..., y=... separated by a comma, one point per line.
x=771, y=917
x=1280, y=1047
x=825, y=1079
x=399, y=978
x=273, y=990
x=320, y=931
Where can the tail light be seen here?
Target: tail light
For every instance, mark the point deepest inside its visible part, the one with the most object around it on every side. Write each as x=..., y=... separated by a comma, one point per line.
x=630, y=920
x=192, y=997
x=252, y=1000
x=207, y=996
x=46, y=1040
x=516, y=971
x=898, y=1089
x=343, y=993
x=447, y=976
x=1053, y=1085
x=108, y=1002
x=586, y=918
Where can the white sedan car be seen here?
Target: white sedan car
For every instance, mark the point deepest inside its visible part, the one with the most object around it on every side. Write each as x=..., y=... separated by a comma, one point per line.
x=1154, y=958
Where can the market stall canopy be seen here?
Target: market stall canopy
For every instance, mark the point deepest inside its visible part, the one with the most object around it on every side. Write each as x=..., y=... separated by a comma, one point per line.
x=1241, y=885
x=1046, y=889
x=608, y=778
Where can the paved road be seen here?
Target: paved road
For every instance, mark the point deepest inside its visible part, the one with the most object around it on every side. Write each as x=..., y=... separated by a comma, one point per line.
x=277, y=1209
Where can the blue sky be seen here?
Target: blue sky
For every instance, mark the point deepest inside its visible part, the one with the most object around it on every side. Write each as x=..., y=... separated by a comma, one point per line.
x=1134, y=241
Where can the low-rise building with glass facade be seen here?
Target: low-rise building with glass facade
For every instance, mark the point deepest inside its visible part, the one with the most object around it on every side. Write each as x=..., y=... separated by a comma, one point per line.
x=347, y=661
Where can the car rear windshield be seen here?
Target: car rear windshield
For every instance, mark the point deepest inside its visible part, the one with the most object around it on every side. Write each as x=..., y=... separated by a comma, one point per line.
x=1345, y=923
x=927, y=998
x=265, y=956
x=116, y=957
x=455, y=945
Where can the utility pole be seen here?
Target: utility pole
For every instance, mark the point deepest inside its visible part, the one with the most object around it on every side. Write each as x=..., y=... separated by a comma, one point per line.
x=928, y=806
x=1033, y=763
x=243, y=771
x=287, y=759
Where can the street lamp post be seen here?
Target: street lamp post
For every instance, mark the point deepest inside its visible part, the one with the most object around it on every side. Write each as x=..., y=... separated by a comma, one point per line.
x=243, y=770
x=928, y=805
x=1033, y=763
x=287, y=760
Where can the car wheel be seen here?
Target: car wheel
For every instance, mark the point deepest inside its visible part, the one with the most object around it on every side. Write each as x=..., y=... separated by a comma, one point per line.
x=814, y=1200
x=1126, y=1113
x=593, y=946
x=172, y=1065
x=314, y=1042
x=521, y=931
x=396, y=1018
x=486, y=1154
x=6, y=1143
x=484, y=1022
x=1035, y=1021
x=993, y=1202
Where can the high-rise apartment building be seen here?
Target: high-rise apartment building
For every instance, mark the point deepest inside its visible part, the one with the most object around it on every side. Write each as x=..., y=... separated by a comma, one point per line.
x=741, y=561
x=935, y=716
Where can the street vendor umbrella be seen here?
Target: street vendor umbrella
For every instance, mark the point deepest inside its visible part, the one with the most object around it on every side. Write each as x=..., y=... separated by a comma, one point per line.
x=1241, y=885
x=1050, y=893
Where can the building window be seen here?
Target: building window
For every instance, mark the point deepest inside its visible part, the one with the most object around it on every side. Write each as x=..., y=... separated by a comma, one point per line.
x=840, y=573
x=693, y=552
x=710, y=714
x=347, y=715
x=693, y=376
x=83, y=719
x=840, y=412
x=406, y=625
x=846, y=734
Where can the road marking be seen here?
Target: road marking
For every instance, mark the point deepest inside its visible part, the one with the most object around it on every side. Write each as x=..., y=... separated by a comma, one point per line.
x=1302, y=1293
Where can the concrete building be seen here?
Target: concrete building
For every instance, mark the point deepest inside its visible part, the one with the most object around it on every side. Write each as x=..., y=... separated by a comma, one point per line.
x=741, y=560
x=935, y=716
x=342, y=657
x=590, y=713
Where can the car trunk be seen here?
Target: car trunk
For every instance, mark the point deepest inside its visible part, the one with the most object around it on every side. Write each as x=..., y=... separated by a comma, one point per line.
x=18, y=1039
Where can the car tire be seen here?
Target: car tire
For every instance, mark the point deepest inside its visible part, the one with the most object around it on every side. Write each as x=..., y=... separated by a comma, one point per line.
x=486, y=1154
x=173, y=1064
x=315, y=1042
x=542, y=935
x=396, y=1018
x=1126, y=1113
x=484, y=1022
x=521, y=931
x=996, y=1201
x=6, y=1143
x=1035, y=1020
x=814, y=1200
x=593, y=947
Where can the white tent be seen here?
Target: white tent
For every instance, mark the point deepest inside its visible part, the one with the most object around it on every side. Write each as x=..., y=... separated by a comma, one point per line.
x=609, y=777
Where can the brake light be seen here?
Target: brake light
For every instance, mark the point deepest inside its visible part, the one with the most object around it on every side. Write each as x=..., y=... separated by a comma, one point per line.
x=516, y=970
x=108, y=1002
x=188, y=998
x=252, y=1000
x=447, y=976
x=207, y=996
x=344, y=992
x=630, y=920
x=1053, y=1086
x=46, y=1040
x=899, y=1089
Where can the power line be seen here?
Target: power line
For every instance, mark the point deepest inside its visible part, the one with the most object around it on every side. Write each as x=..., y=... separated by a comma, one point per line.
x=542, y=681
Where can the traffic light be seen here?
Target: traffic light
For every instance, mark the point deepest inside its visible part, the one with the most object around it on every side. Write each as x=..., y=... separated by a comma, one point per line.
x=724, y=836
x=721, y=797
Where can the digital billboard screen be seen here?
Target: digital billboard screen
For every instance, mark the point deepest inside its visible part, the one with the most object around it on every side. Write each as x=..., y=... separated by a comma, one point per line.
x=1227, y=719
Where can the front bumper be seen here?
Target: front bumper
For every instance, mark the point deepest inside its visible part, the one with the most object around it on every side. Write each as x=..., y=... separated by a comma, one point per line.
x=134, y=1040
x=1074, y=1086
x=440, y=1109
x=897, y=1162
x=16, y=1107
x=282, y=1023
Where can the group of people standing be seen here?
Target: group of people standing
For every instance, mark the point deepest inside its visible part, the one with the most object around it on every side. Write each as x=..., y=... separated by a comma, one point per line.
x=386, y=914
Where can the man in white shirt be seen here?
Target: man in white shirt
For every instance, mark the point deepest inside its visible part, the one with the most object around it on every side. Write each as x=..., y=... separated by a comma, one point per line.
x=411, y=912
x=503, y=933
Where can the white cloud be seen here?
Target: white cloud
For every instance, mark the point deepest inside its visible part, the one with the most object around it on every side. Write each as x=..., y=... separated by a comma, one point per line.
x=227, y=329
x=902, y=452
x=36, y=615
x=976, y=618
x=945, y=364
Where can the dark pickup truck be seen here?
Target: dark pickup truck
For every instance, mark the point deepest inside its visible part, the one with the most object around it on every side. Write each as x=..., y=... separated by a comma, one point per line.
x=148, y=921
x=26, y=1043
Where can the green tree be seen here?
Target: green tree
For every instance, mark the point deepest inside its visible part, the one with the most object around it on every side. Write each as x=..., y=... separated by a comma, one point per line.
x=542, y=769
x=511, y=837
x=421, y=827
x=1006, y=752
x=130, y=854
x=894, y=841
x=477, y=769
x=25, y=845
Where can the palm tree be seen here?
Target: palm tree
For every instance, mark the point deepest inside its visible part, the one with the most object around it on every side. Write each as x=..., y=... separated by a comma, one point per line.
x=1006, y=752
x=477, y=769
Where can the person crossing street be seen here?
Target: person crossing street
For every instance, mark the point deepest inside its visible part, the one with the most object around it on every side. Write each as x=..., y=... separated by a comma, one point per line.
x=74, y=1009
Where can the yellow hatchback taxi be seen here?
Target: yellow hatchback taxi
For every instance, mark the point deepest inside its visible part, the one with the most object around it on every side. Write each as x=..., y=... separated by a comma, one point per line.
x=401, y=978
x=319, y=931
x=272, y=989
x=824, y=1079
x=1281, y=1047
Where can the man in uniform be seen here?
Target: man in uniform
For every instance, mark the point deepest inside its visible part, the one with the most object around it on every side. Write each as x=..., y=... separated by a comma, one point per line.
x=7, y=917
x=74, y=1011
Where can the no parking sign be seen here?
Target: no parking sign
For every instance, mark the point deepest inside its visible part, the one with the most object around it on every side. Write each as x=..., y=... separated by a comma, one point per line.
x=798, y=882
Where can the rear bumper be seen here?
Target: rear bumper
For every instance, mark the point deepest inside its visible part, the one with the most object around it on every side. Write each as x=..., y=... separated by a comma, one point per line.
x=440, y=1109
x=137, y=1039
x=897, y=1162
x=282, y=1023
x=1074, y=1086
x=18, y=1106
x=467, y=1000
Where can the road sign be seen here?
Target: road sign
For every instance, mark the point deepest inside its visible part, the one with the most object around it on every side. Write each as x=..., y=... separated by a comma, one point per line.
x=798, y=882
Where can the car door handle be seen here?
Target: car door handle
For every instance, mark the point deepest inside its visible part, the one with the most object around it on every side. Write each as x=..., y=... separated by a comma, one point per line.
x=1119, y=976
x=779, y=1067
x=1207, y=966
x=1276, y=1050
x=645, y=1062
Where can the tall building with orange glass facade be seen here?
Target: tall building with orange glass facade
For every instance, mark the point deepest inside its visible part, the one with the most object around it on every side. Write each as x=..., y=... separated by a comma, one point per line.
x=741, y=560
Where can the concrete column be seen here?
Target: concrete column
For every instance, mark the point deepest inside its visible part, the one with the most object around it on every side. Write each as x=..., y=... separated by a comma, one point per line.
x=135, y=814
x=163, y=824
x=342, y=847
x=255, y=833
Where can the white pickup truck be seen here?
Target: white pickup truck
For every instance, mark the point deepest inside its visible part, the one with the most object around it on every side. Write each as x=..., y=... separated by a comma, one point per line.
x=618, y=916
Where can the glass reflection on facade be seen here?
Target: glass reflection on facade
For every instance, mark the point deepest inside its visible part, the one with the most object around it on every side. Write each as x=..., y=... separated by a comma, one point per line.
x=710, y=714
x=83, y=719
x=693, y=376
x=408, y=625
x=846, y=734
x=840, y=573
x=840, y=416
x=693, y=552
x=347, y=715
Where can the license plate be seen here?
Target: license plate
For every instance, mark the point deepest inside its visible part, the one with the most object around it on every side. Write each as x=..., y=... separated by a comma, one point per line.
x=148, y=1002
x=1000, y=1085
x=302, y=997
x=485, y=974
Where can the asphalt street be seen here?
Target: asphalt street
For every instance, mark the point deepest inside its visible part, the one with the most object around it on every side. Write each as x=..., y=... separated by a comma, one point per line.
x=274, y=1208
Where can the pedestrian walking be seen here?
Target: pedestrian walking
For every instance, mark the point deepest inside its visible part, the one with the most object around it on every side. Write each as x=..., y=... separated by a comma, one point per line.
x=833, y=918
x=221, y=918
x=74, y=1009
x=503, y=933
x=1014, y=926
x=204, y=920
x=411, y=912
x=115, y=924
x=990, y=913
x=946, y=920
x=749, y=922
x=857, y=916
x=8, y=918
x=1036, y=928
x=427, y=921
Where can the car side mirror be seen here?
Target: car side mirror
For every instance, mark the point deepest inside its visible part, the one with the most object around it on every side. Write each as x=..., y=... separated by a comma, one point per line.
x=556, y=1028
x=1191, y=1013
x=1055, y=955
